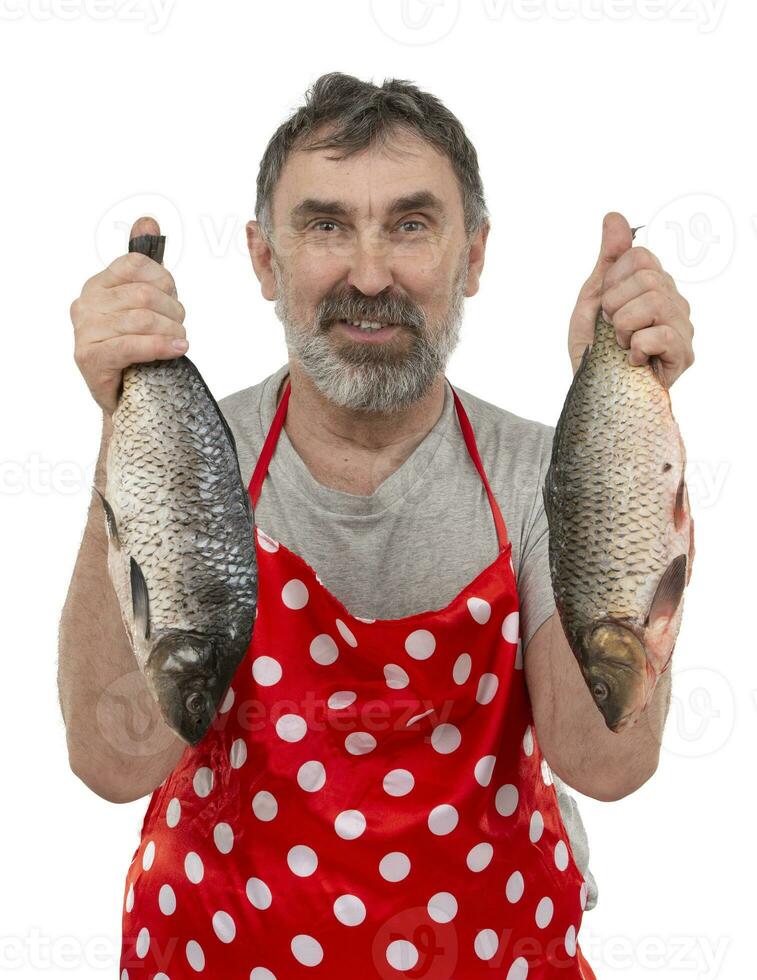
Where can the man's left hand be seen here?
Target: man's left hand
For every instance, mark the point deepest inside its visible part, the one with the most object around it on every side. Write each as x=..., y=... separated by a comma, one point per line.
x=639, y=298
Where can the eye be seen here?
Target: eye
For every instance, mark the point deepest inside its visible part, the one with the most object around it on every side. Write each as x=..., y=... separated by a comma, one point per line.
x=323, y=221
x=600, y=691
x=412, y=222
x=195, y=703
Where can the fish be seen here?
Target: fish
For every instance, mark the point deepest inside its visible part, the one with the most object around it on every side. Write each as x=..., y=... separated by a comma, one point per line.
x=621, y=532
x=180, y=524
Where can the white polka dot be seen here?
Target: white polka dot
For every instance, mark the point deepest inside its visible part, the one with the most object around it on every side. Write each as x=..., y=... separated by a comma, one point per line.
x=323, y=649
x=307, y=950
x=195, y=955
x=570, y=941
x=462, y=668
x=364, y=619
x=143, y=942
x=519, y=657
x=302, y=860
x=149, y=855
x=311, y=776
x=349, y=910
x=510, y=626
x=291, y=728
x=349, y=824
x=415, y=718
x=202, y=782
x=561, y=855
x=227, y=702
x=223, y=837
x=479, y=609
x=193, y=867
x=167, y=900
x=341, y=699
x=442, y=907
x=518, y=970
x=528, y=741
x=266, y=543
x=294, y=595
x=224, y=927
x=238, y=754
x=398, y=782
x=443, y=819
x=173, y=812
x=265, y=805
x=129, y=904
x=487, y=688
x=258, y=893
x=395, y=676
x=261, y=973
x=583, y=895
x=161, y=976
x=420, y=644
x=486, y=944
x=347, y=635
x=266, y=671
x=124, y=975
x=401, y=955
x=479, y=857
x=484, y=769
x=360, y=743
x=515, y=887
x=446, y=738
x=394, y=866
x=536, y=827
x=506, y=800
x=544, y=912
x=546, y=773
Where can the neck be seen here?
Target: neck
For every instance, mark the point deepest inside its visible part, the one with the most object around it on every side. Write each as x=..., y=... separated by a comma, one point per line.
x=351, y=449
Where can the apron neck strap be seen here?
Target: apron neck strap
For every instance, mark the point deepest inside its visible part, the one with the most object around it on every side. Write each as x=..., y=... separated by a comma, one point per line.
x=269, y=446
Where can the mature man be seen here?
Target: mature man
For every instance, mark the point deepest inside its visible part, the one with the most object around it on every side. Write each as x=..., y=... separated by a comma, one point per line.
x=394, y=516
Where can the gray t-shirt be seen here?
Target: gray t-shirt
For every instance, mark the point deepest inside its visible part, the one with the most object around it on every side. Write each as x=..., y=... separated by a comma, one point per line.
x=425, y=532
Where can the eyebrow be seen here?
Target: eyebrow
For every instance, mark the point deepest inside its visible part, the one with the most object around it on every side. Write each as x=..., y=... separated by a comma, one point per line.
x=417, y=201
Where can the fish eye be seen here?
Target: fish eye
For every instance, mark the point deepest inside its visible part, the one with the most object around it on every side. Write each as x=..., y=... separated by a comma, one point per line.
x=195, y=703
x=600, y=691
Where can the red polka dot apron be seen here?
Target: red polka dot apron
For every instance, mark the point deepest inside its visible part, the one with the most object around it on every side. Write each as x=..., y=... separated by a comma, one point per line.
x=370, y=801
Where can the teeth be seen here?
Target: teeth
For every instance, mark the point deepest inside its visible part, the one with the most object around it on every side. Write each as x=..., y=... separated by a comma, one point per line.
x=366, y=324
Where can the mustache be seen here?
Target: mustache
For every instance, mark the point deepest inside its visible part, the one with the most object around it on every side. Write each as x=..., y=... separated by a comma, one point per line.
x=390, y=309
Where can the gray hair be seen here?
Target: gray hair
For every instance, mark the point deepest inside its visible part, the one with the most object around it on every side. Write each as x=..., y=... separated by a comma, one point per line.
x=365, y=113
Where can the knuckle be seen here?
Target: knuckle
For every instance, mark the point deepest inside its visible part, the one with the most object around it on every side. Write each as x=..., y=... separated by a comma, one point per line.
x=142, y=319
x=75, y=309
x=144, y=294
x=649, y=279
x=643, y=258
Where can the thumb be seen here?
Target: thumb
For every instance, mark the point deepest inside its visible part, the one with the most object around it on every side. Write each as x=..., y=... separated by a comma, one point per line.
x=617, y=238
x=144, y=226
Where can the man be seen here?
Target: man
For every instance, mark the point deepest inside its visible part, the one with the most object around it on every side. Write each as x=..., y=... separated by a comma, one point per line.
x=371, y=230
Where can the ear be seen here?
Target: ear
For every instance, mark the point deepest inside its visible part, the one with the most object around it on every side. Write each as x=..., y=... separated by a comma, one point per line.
x=260, y=254
x=476, y=259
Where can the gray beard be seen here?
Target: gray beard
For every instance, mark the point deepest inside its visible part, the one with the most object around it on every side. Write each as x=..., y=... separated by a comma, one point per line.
x=372, y=377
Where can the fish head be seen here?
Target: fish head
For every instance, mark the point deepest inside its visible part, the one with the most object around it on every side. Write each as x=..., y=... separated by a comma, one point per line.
x=614, y=665
x=183, y=671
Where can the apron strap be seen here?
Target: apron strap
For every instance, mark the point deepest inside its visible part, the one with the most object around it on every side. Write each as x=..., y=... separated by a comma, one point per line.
x=269, y=446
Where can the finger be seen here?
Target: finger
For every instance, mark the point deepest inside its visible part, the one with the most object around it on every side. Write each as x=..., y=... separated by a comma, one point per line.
x=140, y=296
x=106, y=326
x=647, y=310
x=118, y=353
x=665, y=342
x=632, y=261
x=638, y=283
x=144, y=226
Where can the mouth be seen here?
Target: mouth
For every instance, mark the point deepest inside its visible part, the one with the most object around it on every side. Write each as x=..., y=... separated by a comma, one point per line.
x=367, y=331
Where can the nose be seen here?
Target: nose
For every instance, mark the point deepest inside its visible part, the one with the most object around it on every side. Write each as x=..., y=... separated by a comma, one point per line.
x=370, y=270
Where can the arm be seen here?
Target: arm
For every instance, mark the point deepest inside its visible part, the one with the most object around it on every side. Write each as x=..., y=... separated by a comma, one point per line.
x=571, y=731
x=118, y=743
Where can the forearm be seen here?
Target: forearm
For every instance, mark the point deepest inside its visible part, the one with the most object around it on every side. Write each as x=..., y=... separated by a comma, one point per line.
x=118, y=743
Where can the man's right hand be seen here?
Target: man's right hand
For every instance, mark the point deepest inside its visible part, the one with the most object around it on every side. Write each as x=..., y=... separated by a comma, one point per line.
x=127, y=314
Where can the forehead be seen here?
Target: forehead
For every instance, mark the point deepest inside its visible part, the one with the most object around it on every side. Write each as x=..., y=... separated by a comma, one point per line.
x=367, y=181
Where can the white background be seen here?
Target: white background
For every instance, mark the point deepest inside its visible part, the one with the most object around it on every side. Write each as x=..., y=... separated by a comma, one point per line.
x=576, y=107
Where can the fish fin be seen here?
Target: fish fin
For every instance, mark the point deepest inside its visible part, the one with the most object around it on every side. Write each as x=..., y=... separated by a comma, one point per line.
x=149, y=245
x=110, y=522
x=634, y=230
x=692, y=549
x=656, y=365
x=680, y=506
x=209, y=393
x=669, y=591
x=139, y=599
x=574, y=383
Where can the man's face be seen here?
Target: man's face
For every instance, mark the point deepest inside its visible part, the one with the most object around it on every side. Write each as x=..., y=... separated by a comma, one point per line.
x=377, y=238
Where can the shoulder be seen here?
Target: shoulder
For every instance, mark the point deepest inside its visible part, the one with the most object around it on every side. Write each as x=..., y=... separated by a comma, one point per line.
x=507, y=442
x=244, y=409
